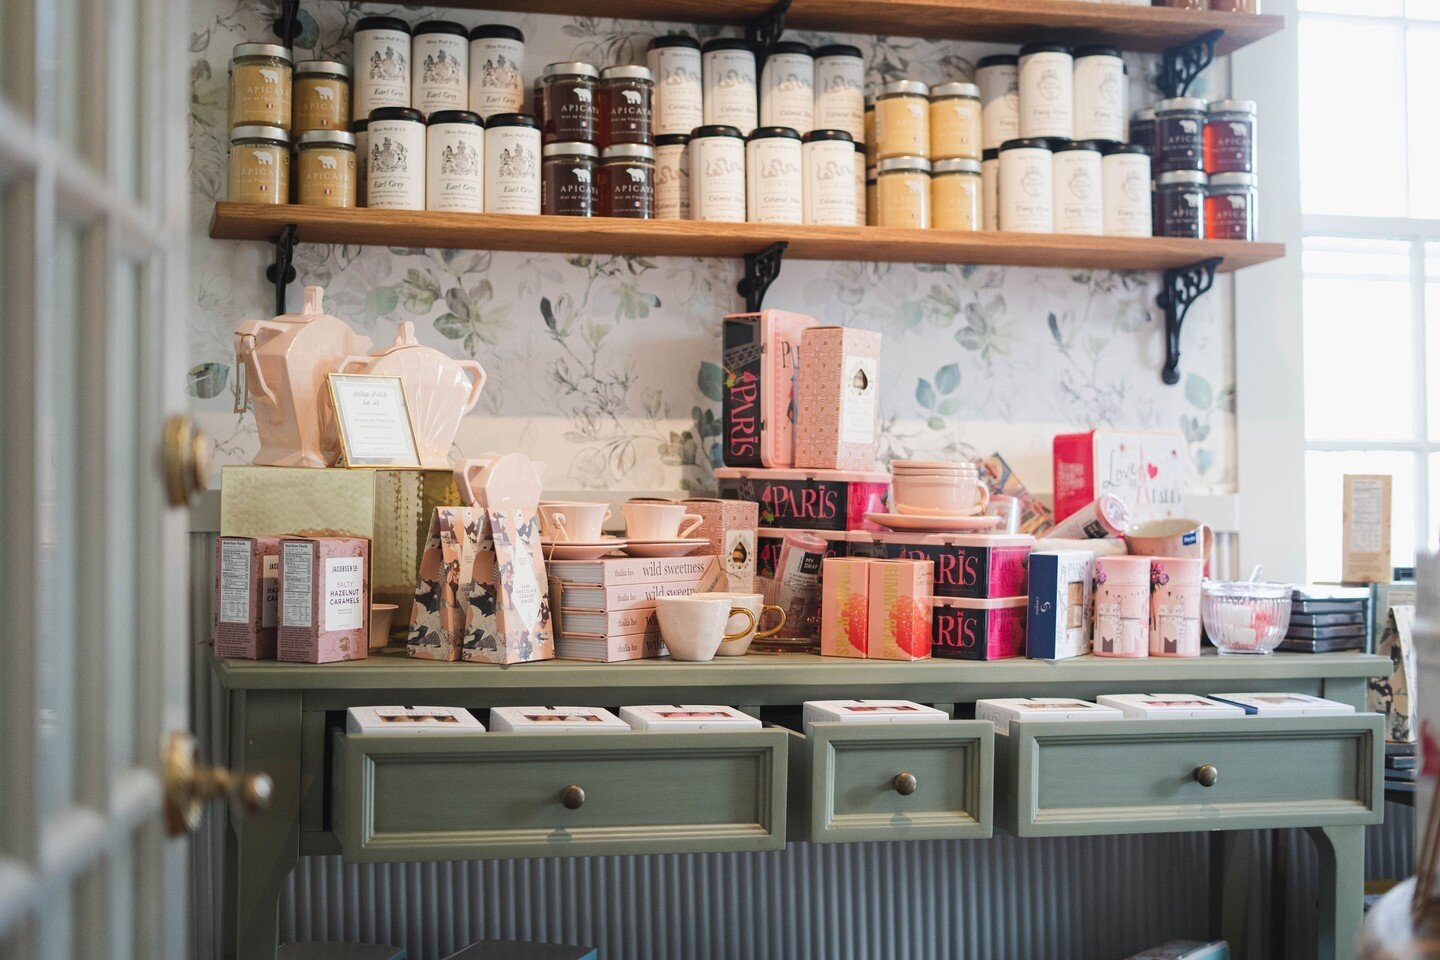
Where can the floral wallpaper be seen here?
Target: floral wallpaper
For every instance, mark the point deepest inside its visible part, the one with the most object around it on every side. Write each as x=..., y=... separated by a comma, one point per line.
x=606, y=367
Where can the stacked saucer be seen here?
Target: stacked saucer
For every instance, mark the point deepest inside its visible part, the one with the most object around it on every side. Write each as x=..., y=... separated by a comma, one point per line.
x=937, y=495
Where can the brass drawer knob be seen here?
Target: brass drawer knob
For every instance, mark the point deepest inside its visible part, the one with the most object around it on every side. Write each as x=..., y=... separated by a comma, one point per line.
x=1206, y=775
x=904, y=783
x=572, y=797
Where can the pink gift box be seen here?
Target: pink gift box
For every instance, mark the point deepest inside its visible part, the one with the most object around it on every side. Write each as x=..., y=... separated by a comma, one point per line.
x=808, y=499
x=837, y=426
x=974, y=566
x=900, y=613
x=980, y=629
x=844, y=607
x=730, y=525
x=1175, y=606
x=761, y=361
x=324, y=599
x=1122, y=607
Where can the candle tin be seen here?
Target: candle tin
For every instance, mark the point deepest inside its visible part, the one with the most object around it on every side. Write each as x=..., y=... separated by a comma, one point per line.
x=972, y=566
x=901, y=618
x=808, y=499
x=844, y=607
x=1061, y=609
x=497, y=70
x=1175, y=606
x=761, y=360
x=1122, y=606
x=837, y=423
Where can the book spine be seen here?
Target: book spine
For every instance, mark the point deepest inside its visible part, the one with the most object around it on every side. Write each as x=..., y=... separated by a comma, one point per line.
x=618, y=572
x=634, y=646
x=630, y=597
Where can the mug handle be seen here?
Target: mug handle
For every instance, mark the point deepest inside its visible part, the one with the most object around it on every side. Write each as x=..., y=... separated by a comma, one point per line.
x=982, y=495
x=1207, y=537
x=750, y=624
x=764, y=634
x=685, y=530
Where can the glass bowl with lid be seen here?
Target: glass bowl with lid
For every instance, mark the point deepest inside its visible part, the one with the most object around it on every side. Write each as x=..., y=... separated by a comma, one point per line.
x=1245, y=617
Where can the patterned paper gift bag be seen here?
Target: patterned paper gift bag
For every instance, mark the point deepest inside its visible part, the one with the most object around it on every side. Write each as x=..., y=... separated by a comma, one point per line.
x=1393, y=694
x=437, y=619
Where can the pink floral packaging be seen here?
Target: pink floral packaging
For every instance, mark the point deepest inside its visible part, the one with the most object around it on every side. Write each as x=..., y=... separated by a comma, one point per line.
x=838, y=422
x=761, y=359
x=844, y=607
x=247, y=593
x=437, y=619
x=730, y=525
x=1122, y=607
x=975, y=566
x=809, y=499
x=1175, y=606
x=324, y=599
x=900, y=612
x=979, y=629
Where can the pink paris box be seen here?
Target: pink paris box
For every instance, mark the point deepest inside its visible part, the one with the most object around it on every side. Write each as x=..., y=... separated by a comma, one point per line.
x=247, y=593
x=899, y=610
x=761, y=360
x=730, y=525
x=324, y=599
x=837, y=426
x=1145, y=470
x=979, y=629
x=976, y=566
x=819, y=500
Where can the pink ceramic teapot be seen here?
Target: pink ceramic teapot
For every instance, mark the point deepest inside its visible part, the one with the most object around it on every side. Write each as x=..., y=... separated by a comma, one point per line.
x=286, y=361
x=439, y=390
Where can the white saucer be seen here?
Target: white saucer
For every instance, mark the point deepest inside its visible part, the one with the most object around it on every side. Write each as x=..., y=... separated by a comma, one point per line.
x=581, y=549
x=901, y=521
x=664, y=548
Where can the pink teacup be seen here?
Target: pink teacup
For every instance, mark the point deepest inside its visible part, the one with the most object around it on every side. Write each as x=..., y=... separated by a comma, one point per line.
x=581, y=522
x=930, y=495
x=658, y=520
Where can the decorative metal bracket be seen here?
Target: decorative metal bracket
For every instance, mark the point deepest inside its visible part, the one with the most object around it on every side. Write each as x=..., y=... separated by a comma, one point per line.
x=1179, y=66
x=282, y=271
x=1182, y=287
x=764, y=31
x=287, y=25
x=761, y=269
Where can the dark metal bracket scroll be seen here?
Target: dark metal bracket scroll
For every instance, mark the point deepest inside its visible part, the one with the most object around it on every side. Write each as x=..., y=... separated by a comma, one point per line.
x=1182, y=287
x=764, y=31
x=1179, y=66
x=761, y=270
x=287, y=25
x=282, y=271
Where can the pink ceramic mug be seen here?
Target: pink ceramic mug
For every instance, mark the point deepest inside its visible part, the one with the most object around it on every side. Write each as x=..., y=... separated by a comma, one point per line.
x=1172, y=537
x=961, y=494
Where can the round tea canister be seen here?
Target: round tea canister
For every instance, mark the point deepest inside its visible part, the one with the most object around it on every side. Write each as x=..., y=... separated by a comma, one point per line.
x=382, y=65
x=1179, y=134
x=717, y=174
x=1100, y=95
x=1122, y=607
x=840, y=90
x=259, y=164
x=1078, y=188
x=829, y=178
x=361, y=129
x=260, y=85
x=862, y=200
x=903, y=192
x=728, y=65
x=568, y=179
x=990, y=189
x=569, y=95
x=1027, y=198
x=455, y=162
x=440, y=67
x=322, y=96
x=627, y=181
x=625, y=113
x=955, y=194
x=1142, y=128
x=998, y=77
x=902, y=119
x=512, y=164
x=1125, y=173
x=955, y=121
x=1047, y=91
x=1230, y=137
x=672, y=176
x=497, y=70
x=675, y=63
x=787, y=88
x=1230, y=207
x=325, y=167
x=1180, y=203
x=774, y=176
x=396, y=167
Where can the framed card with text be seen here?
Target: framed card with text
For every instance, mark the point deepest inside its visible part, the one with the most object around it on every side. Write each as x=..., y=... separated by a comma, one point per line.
x=373, y=419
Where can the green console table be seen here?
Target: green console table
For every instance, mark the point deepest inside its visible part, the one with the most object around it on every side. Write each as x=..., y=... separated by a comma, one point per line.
x=487, y=796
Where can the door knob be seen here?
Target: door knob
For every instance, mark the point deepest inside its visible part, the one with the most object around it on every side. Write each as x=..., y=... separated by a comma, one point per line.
x=187, y=460
x=904, y=783
x=188, y=784
x=1206, y=775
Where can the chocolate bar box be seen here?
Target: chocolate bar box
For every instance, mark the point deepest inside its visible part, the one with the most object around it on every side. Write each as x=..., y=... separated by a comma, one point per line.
x=247, y=589
x=324, y=599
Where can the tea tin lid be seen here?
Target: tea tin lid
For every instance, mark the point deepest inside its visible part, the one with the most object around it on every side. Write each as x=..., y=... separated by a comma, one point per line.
x=261, y=50
x=1027, y=143
x=992, y=153
x=382, y=23
x=1033, y=48
x=627, y=71
x=674, y=40
x=726, y=43
x=672, y=139
x=997, y=60
x=1068, y=146
x=836, y=50
x=790, y=46
x=442, y=26
x=327, y=137
x=715, y=130
x=570, y=68
x=1115, y=148
x=955, y=89
x=456, y=116
x=259, y=131
x=904, y=88
x=362, y=124
x=396, y=113
x=966, y=603
x=1096, y=51
x=497, y=31
x=766, y=473
x=955, y=165
x=770, y=133
x=814, y=135
x=511, y=120
x=332, y=67
x=569, y=148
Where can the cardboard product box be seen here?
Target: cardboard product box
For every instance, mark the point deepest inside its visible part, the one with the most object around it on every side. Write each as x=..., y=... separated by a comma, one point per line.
x=390, y=508
x=1366, y=529
x=869, y=711
x=411, y=721
x=1183, y=706
x=974, y=566
x=247, y=596
x=979, y=629
x=808, y=499
x=900, y=613
x=555, y=720
x=761, y=362
x=770, y=541
x=1284, y=704
x=730, y=526
x=837, y=426
x=1060, y=614
x=671, y=716
x=324, y=599
x=1145, y=470
x=844, y=607
x=1004, y=711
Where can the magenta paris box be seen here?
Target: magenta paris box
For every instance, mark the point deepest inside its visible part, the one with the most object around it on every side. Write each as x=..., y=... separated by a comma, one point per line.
x=975, y=566
x=761, y=360
x=837, y=425
x=247, y=590
x=324, y=599
x=808, y=499
x=979, y=629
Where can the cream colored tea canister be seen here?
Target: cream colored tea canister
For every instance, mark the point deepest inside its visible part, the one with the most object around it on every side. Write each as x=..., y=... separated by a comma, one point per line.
x=829, y=160
x=325, y=168
x=1101, y=96
x=717, y=174
x=728, y=65
x=1125, y=172
x=990, y=189
x=396, y=165
x=672, y=176
x=260, y=85
x=259, y=164
x=497, y=70
x=840, y=90
x=455, y=162
x=440, y=67
x=512, y=164
x=361, y=129
x=382, y=65
x=1047, y=91
x=774, y=176
x=787, y=88
x=998, y=78
x=322, y=95
x=1027, y=200
x=675, y=63
x=1078, y=196
x=862, y=194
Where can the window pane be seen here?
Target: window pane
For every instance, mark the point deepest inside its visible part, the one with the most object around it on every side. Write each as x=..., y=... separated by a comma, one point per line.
x=1423, y=9
x=1324, y=504
x=1357, y=325
x=1432, y=337
x=1369, y=8
x=1432, y=536
x=1372, y=112
x=1424, y=137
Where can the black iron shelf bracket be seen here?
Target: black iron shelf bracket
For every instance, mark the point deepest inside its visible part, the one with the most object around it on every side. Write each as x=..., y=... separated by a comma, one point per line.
x=287, y=25
x=282, y=272
x=1181, y=287
x=761, y=269
x=1179, y=66
x=764, y=31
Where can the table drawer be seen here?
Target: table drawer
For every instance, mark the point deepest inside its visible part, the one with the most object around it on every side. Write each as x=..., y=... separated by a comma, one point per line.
x=1148, y=776
x=921, y=781
x=497, y=795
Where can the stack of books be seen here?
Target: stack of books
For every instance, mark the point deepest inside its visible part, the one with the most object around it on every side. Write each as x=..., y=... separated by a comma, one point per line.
x=1324, y=619
x=605, y=609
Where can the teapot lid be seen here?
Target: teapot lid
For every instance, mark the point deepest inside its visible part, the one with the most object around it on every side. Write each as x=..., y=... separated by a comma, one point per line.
x=311, y=308
x=404, y=337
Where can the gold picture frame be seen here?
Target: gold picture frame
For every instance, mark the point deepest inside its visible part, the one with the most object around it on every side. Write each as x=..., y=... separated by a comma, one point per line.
x=372, y=438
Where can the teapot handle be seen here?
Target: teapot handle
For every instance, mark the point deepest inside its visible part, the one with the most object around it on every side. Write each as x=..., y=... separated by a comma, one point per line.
x=243, y=349
x=477, y=383
x=466, y=473
x=358, y=358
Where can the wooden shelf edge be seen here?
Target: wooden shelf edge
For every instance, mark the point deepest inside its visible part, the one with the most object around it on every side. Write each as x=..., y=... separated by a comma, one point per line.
x=684, y=238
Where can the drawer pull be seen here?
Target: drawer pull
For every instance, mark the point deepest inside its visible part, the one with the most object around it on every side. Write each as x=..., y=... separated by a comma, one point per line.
x=572, y=797
x=904, y=783
x=1206, y=775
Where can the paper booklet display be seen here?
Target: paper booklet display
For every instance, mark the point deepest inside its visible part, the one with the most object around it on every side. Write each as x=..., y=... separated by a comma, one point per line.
x=481, y=594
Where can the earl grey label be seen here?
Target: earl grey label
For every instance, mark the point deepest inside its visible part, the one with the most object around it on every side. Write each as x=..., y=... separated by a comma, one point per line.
x=234, y=581
x=298, y=590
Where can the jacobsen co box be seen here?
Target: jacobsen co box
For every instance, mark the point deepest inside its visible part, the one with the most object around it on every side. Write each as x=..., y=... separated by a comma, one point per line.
x=808, y=499
x=973, y=566
x=761, y=360
x=1145, y=470
x=979, y=629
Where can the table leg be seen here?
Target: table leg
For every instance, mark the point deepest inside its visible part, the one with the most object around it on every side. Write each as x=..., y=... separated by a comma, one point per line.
x=262, y=848
x=1342, y=889
x=1231, y=856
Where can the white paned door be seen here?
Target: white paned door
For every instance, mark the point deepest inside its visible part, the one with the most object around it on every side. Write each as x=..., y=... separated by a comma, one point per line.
x=93, y=636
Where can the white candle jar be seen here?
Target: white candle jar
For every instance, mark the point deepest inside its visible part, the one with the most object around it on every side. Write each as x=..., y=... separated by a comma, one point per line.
x=728, y=65
x=1077, y=181
x=717, y=174
x=440, y=62
x=829, y=178
x=787, y=88
x=382, y=65
x=1101, y=109
x=455, y=162
x=675, y=63
x=774, y=176
x=998, y=78
x=512, y=164
x=1047, y=91
x=840, y=90
x=396, y=167
x=1027, y=200
x=497, y=70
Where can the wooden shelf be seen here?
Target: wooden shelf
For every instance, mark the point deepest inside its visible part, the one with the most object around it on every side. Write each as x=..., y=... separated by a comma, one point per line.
x=1150, y=29
x=683, y=238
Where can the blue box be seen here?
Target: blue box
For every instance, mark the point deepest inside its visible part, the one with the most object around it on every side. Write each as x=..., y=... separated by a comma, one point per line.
x=1059, y=616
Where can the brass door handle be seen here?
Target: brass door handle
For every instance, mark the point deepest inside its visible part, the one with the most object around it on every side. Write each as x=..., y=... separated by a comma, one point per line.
x=188, y=784
x=186, y=458
x=1206, y=775
x=572, y=797
x=904, y=783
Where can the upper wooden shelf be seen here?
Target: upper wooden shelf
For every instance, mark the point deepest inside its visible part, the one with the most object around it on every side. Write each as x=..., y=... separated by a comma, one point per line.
x=686, y=238
x=1150, y=29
